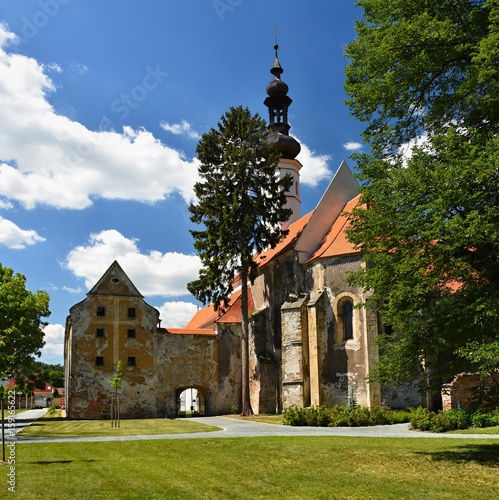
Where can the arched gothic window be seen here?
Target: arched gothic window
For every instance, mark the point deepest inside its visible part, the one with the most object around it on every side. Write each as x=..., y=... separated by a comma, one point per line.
x=347, y=316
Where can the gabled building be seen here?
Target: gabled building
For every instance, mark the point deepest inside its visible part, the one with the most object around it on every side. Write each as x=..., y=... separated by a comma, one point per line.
x=309, y=343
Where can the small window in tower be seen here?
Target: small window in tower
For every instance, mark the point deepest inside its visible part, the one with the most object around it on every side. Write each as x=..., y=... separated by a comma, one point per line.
x=101, y=311
x=100, y=332
x=99, y=360
x=131, y=312
x=132, y=361
x=131, y=333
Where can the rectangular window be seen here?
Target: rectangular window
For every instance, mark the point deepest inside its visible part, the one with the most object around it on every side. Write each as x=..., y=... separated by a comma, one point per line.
x=131, y=333
x=101, y=311
x=132, y=361
x=99, y=360
x=131, y=312
x=100, y=332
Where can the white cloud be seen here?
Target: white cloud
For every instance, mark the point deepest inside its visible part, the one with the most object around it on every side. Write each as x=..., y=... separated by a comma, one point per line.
x=406, y=149
x=54, y=340
x=154, y=273
x=47, y=158
x=182, y=128
x=5, y=204
x=7, y=37
x=13, y=236
x=315, y=167
x=176, y=314
x=352, y=146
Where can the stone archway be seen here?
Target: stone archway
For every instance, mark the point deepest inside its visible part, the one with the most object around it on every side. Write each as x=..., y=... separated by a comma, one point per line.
x=191, y=401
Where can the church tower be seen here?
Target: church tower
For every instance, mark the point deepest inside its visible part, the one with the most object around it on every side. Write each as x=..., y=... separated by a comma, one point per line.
x=278, y=103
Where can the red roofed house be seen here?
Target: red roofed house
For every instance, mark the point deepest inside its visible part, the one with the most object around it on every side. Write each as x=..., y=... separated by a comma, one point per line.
x=309, y=345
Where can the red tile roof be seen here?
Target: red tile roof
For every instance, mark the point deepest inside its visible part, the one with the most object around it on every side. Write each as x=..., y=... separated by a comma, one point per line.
x=203, y=318
x=335, y=242
x=203, y=321
x=295, y=230
x=234, y=314
x=189, y=331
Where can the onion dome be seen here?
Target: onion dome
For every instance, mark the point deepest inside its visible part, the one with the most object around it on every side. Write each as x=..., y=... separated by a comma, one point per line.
x=278, y=103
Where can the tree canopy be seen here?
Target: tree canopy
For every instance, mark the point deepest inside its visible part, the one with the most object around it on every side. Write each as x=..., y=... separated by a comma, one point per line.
x=21, y=313
x=240, y=202
x=424, y=77
x=241, y=206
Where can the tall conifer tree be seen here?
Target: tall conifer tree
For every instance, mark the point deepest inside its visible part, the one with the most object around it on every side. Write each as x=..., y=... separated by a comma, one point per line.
x=241, y=207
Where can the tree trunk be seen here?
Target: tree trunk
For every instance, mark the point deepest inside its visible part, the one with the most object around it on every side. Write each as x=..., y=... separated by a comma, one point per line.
x=246, y=403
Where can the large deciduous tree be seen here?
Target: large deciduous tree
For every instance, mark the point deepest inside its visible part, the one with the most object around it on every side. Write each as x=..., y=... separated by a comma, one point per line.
x=424, y=77
x=21, y=313
x=241, y=206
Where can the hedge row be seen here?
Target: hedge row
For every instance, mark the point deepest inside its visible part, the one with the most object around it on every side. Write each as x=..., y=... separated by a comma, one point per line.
x=342, y=416
x=362, y=416
x=450, y=420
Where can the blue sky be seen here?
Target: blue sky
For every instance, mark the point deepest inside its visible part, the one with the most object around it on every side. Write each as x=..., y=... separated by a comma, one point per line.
x=101, y=107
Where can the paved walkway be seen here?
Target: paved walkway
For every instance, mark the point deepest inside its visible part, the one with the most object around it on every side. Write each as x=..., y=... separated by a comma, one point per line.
x=233, y=428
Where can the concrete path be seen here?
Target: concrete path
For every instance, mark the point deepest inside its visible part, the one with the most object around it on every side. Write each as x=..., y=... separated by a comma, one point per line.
x=25, y=418
x=234, y=428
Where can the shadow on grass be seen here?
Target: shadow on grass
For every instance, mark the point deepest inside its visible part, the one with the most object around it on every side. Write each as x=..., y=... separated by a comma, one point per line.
x=50, y=462
x=483, y=454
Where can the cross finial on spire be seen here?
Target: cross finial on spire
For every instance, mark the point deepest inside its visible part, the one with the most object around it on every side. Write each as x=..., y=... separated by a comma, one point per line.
x=275, y=39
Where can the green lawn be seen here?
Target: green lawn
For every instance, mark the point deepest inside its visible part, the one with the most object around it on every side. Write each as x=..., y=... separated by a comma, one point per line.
x=55, y=426
x=265, y=419
x=478, y=430
x=260, y=468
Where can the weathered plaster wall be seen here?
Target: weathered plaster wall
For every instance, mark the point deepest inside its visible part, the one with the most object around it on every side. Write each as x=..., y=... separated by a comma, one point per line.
x=340, y=366
x=264, y=365
x=295, y=368
x=89, y=384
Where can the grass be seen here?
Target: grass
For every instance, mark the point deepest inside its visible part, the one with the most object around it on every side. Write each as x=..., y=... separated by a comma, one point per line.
x=264, y=419
x=477, y=430
x=56, y=426
x=256, y=468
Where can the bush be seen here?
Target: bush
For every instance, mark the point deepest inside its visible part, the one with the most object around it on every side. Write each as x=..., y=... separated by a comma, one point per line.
x=338, y=416
x=481, y=420
x=421, y=419
x=380, y=416
x=399, y=416
x=450, y=420
x=362, y=416
x=294, y=416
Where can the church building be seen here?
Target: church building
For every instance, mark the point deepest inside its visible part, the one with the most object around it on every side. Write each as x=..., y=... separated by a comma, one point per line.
x=309, y=344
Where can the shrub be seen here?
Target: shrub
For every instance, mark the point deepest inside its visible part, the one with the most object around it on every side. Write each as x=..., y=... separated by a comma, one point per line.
x=399, y=416
x=338, y=416
x=380, y=416
x=421, y=419
x=484, y=420
x=359, y=416
x=323, y=416
x=294, y=416
x=450, y=420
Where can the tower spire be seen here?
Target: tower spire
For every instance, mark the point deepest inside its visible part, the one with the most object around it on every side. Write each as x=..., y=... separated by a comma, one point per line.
x=278, y=103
